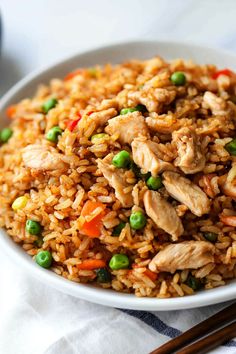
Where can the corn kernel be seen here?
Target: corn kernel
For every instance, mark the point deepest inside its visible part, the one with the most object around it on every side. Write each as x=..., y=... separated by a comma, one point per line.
x=19, y=203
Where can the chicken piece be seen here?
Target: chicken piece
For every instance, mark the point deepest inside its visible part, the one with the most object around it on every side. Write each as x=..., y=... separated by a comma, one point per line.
x=160, y=80
x=184, y=255
x=186, y=192
x=190, y=153
x=102, y=117
x=164, y=123
x=163, y=214
x=164, y=95
x=129, y=126
x=42, y=158
x=217, y=105
x=108, y=103
x=153, y=99
x=95, y=120
x=137, y=97
x=145, y=156
x=116, y=179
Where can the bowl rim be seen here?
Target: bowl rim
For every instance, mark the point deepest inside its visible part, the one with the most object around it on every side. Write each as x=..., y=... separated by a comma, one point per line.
x=90, y=292
x=120, y=44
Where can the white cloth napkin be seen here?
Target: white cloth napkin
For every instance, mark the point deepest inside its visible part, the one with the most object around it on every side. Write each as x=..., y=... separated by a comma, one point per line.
x=37, y=319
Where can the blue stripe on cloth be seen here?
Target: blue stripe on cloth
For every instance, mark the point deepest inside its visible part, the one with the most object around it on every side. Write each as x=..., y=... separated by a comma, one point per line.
x=154, y=322
x=159, y=326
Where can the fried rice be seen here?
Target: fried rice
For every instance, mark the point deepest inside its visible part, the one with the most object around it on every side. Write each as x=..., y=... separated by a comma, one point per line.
x=178, y=131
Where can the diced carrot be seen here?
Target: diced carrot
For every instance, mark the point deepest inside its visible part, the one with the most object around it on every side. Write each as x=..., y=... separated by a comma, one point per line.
x=90, y=206
x=72, y=74
x=10, y=111
x=90, y=264
x=71, y=124
x=148, y=273
x=226, y=72
x=92, y=228
x=151, y=275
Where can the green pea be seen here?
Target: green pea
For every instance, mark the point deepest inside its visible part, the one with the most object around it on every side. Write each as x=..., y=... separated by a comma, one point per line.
x=44, y=259
x=5, y=134
x=137, y=220
x=231, y=147
x=137, y=171
x=51, y=103
x=119, y=261
x=33, y=227
x=139, y=108
x=92, y=72
x=38, y=242
x=127, y=110
x=122, y=159
x=154, y=183
x=117, y=230
x=103, y=275
x=210, y=236
x=53, y=134
x=178, y=78
x=194, y=283
x=96, y=137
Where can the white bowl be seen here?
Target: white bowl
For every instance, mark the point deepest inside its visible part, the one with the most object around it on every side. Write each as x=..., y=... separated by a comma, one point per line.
x=115, y=54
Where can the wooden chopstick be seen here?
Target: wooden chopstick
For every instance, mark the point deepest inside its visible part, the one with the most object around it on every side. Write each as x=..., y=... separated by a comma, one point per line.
x=212, y=341
x=214, y=322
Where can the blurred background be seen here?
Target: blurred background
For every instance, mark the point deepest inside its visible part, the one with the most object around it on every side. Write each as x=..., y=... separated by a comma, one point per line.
x=37, y=32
